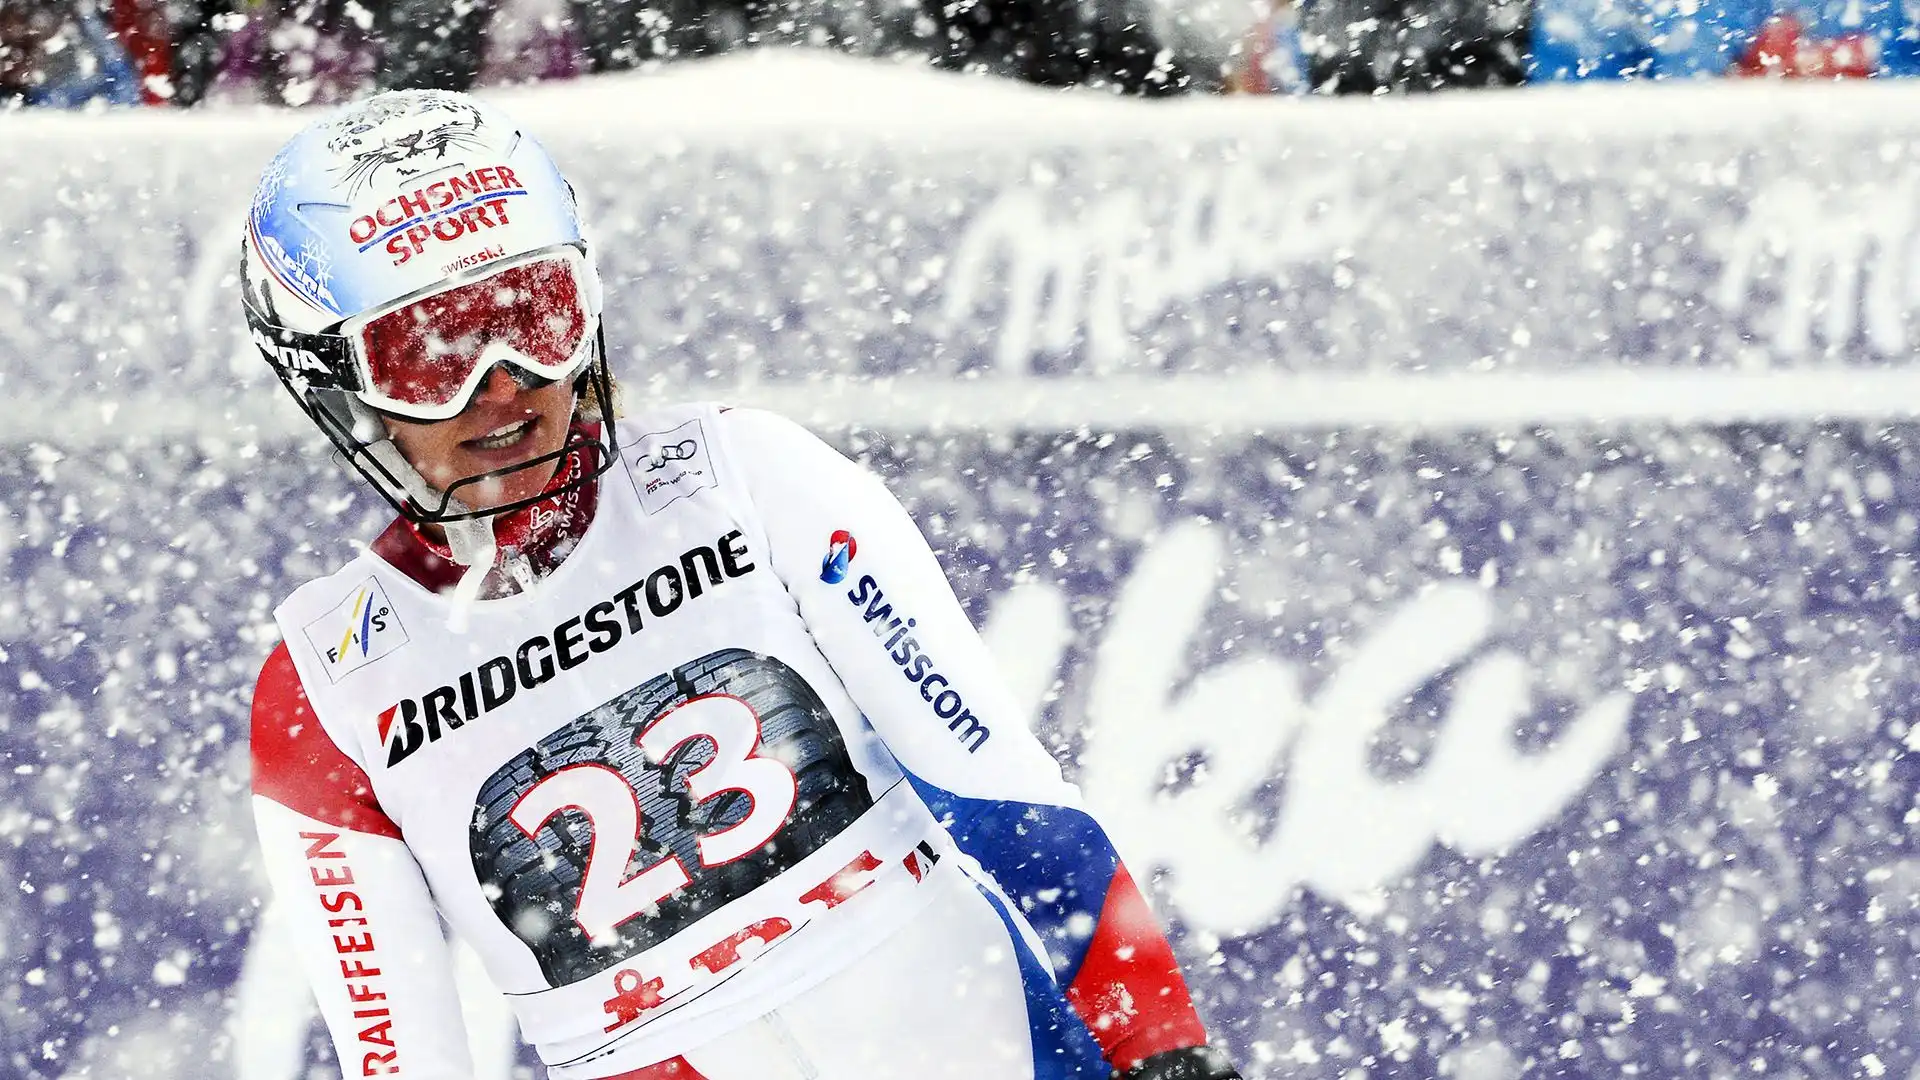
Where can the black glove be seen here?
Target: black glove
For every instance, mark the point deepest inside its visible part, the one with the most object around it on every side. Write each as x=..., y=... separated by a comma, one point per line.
x=1189, y=1063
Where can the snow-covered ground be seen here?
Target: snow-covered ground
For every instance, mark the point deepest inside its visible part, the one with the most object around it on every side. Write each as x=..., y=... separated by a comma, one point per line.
x=1465, y=746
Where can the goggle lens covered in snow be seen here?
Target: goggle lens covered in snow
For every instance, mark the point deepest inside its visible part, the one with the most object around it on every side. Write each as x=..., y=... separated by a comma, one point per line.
x=425, y=358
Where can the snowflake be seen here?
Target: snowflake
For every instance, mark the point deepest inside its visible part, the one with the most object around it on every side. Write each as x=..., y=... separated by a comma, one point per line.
x=273, y=181
x=317, y=261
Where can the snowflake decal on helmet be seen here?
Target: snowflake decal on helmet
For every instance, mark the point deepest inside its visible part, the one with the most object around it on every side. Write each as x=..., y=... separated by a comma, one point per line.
x=317, y=261
x=273, y=180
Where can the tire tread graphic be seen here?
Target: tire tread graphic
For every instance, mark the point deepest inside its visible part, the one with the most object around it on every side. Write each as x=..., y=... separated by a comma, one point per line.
x=533, y=883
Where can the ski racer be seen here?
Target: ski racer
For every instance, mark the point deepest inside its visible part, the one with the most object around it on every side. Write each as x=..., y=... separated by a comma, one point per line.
x=672, y=716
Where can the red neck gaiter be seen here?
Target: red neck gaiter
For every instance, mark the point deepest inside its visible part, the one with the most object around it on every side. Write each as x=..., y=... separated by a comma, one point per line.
x=542, y=532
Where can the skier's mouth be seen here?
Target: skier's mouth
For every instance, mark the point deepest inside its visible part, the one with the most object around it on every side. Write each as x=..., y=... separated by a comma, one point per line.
x=502, y=437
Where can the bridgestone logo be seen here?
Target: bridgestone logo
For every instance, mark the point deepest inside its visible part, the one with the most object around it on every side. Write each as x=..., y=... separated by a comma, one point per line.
x=408, y=725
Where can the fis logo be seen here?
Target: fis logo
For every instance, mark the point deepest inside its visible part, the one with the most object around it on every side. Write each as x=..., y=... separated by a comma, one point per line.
x=841, y=548
x=362, y=629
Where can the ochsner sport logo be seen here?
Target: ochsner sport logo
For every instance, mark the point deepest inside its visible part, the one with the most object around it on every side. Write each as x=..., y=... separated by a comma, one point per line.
x=361, y=630
x=894, y=629
x=443, y=210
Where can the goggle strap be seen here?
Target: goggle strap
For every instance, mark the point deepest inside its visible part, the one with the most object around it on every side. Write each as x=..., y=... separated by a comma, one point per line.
x=326, y=361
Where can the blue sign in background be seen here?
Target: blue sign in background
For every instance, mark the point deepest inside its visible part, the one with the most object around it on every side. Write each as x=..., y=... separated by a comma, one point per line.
x=1474, y=750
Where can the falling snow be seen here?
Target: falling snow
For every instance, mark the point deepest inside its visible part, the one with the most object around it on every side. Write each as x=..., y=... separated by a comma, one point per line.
x=1619, y=709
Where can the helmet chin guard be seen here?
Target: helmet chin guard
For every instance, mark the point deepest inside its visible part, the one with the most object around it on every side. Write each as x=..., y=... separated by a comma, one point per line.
x=361, y=438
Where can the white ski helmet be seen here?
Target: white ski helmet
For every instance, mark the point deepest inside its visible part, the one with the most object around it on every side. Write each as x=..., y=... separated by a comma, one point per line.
x=398, y=251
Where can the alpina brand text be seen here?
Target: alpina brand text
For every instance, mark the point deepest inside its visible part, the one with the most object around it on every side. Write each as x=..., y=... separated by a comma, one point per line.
x=408, y=725
x=443, y=210
x=289, y=358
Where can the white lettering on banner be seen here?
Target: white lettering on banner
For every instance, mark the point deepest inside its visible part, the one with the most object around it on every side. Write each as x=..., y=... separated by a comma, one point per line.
x=1342, y=830
x=1119, y=263
x=1862, y=247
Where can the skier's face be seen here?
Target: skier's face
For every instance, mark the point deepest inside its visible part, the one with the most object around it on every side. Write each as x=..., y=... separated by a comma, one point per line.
x=504, y=425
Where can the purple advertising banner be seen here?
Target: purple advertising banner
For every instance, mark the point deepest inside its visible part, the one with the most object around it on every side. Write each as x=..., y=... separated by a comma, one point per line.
x=1466, y=551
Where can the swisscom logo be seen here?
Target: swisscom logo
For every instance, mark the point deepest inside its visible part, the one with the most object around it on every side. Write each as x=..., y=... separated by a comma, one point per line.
x=362, y=629
x=841, y=549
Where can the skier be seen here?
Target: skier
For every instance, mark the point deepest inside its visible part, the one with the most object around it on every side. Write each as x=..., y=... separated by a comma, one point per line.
x=673, y=716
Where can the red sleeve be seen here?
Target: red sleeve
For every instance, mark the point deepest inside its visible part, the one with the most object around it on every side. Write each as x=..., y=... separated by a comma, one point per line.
x=297, y=764
x=1128, y=990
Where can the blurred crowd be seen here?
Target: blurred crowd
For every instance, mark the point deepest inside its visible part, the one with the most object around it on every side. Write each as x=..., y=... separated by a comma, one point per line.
x=69, y=53
x=180, y=52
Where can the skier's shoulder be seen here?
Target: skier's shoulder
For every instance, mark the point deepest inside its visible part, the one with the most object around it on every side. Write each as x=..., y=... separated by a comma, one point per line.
x=342, y=621
x=707, y=427
x=297, y=763
x=674, y=449
x=664, y=434
x=324, y=592
x=277, y=689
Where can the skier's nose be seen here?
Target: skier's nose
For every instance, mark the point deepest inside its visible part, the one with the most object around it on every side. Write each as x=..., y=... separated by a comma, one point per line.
x=498, y=388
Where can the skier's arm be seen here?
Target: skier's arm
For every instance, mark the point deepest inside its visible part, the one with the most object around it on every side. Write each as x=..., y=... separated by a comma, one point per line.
x=906, y=652
x=364, y=925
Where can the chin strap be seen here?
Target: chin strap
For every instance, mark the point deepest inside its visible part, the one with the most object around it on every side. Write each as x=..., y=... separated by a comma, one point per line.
x=470, y=543
x=512, y=538
x=473, y=547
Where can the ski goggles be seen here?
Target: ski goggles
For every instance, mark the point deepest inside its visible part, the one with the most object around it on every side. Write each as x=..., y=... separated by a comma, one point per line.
x=422, y=357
